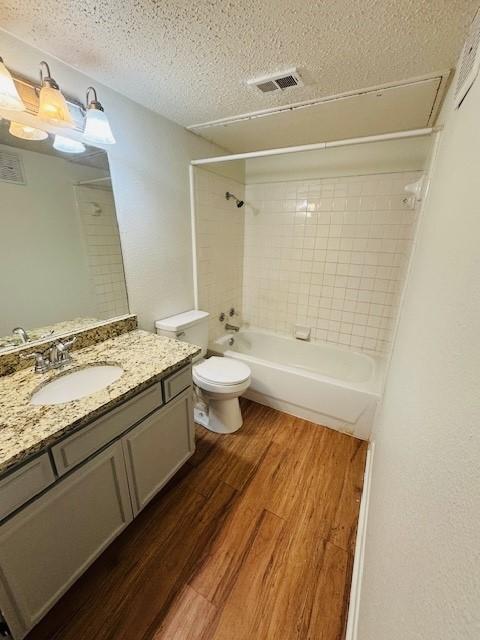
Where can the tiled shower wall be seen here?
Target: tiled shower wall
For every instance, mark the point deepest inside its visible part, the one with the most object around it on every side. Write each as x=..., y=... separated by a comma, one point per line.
x=328, y=254
x=220, y=240
x=98, y=218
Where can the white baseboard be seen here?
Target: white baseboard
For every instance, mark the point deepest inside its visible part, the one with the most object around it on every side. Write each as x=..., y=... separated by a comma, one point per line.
x=358, y=563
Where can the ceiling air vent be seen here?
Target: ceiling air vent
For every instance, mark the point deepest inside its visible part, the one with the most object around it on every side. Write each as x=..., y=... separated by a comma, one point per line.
x=265, y=87
x=11, y=169
x=277, y=81
x=469, y=64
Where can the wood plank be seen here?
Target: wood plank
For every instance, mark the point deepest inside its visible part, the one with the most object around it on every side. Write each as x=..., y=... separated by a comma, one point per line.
x=215, y=573
x=281, y=483
x=245, y=606
x=331, y=477
x=272, y=483
x=344, y=518
x=303, y=593
x=306, y=602
x=282, y=480
x=189, y=617
x=333, y=483
x=234, y=458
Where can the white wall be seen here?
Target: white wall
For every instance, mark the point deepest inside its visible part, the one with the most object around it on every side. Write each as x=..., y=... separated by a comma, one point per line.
x=422, y=565
x=149, y=167
x=219, y=234
x=407, y=154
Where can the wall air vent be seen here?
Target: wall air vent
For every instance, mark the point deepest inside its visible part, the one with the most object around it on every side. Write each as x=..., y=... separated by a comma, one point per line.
x=11, y=169
x=469, y=64
x=277, y=81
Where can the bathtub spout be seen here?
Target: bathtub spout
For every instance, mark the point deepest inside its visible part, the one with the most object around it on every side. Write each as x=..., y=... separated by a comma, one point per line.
x=231, y=327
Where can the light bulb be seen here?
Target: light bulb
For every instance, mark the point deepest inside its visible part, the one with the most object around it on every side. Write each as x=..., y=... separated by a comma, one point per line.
x=53, y=107
x=68, y=145
x=26, y=132
x=9, y=98
x=97, y=126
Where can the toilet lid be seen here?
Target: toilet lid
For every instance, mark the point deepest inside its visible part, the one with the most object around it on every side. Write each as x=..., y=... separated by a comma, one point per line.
x=222, y=370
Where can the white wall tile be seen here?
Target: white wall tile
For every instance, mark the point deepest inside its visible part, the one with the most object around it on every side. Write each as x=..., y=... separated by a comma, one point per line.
x=103, y=251
x=328, y=253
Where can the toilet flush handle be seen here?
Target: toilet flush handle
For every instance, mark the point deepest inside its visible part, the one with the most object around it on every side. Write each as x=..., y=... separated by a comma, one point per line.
x=180, y=334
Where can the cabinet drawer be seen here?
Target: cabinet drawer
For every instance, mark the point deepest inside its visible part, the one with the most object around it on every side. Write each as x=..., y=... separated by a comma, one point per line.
x=177, y=382
x=80, y=445
x=24, y=483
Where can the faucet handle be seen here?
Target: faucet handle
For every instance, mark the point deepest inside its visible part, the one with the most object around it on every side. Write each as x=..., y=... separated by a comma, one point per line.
x=59, y=353
x=68, y=343
x=41, y=363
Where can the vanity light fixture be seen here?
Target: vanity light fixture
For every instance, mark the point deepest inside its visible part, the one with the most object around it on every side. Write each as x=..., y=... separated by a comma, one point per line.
x=97, y=127
x=68, y=145
x=52, y=104
x=9, y=98
x=26, y=132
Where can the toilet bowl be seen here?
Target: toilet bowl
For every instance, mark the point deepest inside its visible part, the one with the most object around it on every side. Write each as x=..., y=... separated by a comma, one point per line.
x=220, y=382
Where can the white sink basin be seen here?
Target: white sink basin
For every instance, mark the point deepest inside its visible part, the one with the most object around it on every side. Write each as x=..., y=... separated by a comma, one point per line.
x=77, y=384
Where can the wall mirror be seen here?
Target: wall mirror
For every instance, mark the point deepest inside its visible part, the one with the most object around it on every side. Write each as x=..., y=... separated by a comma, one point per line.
x=61, y=265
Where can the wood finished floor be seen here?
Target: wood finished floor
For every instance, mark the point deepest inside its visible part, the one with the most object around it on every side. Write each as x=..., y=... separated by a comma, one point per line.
x=252, y=540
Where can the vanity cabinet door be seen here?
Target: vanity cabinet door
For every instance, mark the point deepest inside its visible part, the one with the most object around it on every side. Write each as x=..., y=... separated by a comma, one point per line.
x=157, y=448
x=50, y=543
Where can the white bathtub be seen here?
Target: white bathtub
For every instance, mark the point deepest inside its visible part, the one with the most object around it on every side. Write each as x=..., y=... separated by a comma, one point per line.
x=329, y=385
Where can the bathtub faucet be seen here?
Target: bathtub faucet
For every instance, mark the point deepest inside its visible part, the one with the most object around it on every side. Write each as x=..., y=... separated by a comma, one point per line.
x=231, y=327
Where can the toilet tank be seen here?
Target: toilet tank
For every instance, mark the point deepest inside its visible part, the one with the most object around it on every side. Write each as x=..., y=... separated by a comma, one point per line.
x=189, y=326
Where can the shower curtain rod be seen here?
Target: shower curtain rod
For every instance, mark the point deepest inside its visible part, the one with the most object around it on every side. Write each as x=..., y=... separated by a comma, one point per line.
x=413, y=133
x=82, y=183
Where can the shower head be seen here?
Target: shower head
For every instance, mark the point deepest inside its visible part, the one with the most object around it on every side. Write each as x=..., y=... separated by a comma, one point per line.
x=239, y=203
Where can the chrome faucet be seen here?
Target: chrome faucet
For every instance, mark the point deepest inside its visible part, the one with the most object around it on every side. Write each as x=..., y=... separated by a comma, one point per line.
x=22, y=334
x=231, y=327
x=42, y=365
x=53, y=358
x=59, y=353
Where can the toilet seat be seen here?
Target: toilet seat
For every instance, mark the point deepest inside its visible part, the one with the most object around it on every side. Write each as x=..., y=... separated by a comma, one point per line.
x=224, y=375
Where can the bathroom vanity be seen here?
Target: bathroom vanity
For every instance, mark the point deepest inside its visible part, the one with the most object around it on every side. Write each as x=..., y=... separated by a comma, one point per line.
x=74, y=475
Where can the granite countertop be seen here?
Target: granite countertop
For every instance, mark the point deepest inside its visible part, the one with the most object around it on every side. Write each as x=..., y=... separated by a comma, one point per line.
x=45, y=332
x=26, y=429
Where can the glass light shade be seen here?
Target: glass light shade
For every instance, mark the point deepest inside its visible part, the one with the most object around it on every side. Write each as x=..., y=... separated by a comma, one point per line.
x=97, y=127
x=68, y=145
x=9, y=98
x=26, y=132
x=53, y=107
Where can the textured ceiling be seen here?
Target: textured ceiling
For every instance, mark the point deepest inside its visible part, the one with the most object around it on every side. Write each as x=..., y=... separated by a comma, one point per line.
x=189, y=59
x=375, y=112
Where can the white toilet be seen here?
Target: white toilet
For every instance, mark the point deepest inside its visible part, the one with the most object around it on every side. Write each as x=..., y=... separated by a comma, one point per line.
x=219, y=381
